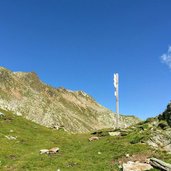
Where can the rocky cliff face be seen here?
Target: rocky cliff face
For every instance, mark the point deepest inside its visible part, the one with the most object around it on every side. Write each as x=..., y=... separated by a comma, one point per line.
x=76, y=111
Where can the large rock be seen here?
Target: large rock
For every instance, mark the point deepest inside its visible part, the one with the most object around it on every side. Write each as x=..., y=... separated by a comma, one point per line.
x=161, y=165
x=161, y=140
x=136, y=166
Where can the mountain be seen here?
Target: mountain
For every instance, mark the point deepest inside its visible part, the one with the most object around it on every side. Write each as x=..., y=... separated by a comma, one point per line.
x=25, y=94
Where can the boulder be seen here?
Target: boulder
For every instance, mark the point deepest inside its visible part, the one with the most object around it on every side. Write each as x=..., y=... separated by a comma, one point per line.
x=160, y=164
x=44, y=151
x=53, y=150
x=114, y=133
x=93, y=138
x=49, y=151
x=136, y=166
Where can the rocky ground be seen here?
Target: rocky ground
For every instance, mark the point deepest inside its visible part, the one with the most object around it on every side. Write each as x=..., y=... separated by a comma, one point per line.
x=155, y=132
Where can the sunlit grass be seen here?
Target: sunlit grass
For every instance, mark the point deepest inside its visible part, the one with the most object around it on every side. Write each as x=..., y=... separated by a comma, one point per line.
x=76, y=152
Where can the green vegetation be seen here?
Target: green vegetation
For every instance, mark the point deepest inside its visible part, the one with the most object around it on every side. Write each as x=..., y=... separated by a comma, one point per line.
x=76, y=152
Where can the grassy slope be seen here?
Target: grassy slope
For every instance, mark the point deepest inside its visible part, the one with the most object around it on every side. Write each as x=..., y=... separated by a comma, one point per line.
x=76, y=152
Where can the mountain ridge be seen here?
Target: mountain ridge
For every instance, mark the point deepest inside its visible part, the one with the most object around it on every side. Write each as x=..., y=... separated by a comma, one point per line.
x=76, y=111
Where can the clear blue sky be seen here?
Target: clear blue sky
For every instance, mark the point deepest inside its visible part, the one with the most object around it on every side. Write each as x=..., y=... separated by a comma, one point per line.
x=79, y=44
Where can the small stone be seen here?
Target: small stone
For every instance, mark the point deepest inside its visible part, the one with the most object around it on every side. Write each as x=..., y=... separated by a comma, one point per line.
x=18, y=113
x=114, y=133
x=99, y=152
x=127, y=155
x=93, y=138
x=2, y=114
x=44, y=151
x=147, y=161
x=49, y=151
x=53, y=150
x=9, y=137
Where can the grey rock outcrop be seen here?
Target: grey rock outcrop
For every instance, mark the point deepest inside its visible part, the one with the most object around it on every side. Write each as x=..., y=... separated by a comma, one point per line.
x=161, y=131
x=161, y=140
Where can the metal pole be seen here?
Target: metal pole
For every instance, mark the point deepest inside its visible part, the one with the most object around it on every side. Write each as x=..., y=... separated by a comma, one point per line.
x=116, y=85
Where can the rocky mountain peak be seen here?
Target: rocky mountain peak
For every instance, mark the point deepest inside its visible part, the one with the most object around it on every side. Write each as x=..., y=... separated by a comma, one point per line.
x=25, y=94
x=30, y=75
x=4, y=69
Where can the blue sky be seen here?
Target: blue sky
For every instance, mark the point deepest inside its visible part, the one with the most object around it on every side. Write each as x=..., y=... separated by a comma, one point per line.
x=80, y=44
